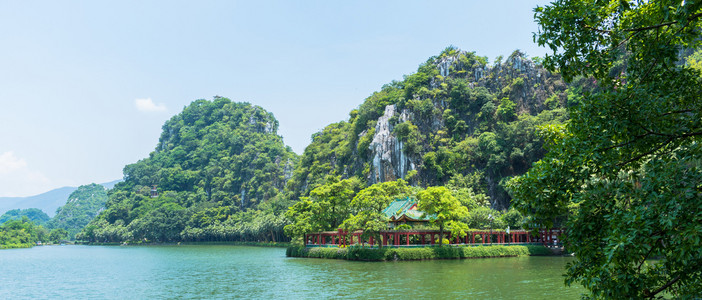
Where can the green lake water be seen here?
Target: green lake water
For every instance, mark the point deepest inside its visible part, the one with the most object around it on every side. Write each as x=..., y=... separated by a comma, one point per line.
x=225, y=272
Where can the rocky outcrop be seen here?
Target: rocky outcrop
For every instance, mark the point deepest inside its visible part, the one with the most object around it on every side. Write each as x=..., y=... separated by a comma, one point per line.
x=389, y=161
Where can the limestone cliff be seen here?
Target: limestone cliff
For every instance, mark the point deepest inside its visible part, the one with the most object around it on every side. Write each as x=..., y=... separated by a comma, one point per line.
x=457, y=117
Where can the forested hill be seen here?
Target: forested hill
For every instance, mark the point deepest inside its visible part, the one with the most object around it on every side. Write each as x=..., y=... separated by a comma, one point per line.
x=82, y=206
x=221, y=172
x=218, y=168
x=458, y=119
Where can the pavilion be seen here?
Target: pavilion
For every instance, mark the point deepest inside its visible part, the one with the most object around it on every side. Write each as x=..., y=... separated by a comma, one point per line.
x=404, y=211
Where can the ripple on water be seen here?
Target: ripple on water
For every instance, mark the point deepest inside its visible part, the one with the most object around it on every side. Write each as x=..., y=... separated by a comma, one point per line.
x=252, y=272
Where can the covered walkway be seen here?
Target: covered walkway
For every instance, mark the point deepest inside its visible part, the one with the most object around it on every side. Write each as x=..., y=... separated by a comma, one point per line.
x=430, y=237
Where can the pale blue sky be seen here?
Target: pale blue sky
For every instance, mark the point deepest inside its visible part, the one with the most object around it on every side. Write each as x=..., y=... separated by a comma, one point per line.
x=85, y=86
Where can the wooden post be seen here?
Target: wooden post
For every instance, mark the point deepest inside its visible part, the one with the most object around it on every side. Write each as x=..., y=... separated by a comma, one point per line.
x=432, y=239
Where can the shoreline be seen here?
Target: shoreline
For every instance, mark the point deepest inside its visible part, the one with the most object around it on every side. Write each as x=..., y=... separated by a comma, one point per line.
x=358, y=253
x=232, y=243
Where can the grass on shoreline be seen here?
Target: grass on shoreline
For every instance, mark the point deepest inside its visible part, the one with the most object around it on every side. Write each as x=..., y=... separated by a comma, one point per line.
x=391, y=254
x=15, y=246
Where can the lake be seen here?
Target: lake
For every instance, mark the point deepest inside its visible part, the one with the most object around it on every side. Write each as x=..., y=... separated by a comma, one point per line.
x=224, y=271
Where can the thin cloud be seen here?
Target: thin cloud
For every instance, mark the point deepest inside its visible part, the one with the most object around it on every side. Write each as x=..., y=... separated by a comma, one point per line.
x=10, y=163
x=17, y=179
x=148, y=105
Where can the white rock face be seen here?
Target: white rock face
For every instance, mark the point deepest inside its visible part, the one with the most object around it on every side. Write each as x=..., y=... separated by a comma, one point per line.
x=389, y=160
x=444, y=65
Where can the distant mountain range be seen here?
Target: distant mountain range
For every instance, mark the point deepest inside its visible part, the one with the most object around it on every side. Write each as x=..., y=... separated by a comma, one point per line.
x=47, y=202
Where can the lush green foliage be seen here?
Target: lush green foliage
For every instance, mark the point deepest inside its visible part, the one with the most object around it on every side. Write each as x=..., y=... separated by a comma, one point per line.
x=479, y=121
x=368, y=206
x=627, y=166
x=21, y=233
x=450, y=207
x=444, y=210
x=222, y=173
x=33, y=214
x=423, y=253
x=326, y=208
x=219, y=169
x=83, y=206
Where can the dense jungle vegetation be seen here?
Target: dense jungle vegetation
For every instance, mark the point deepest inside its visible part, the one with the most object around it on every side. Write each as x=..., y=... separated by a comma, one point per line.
x=627, y=168
x=33, y=214
x=26, y=227
x=219, y=170
x=457, y=118
x=82, y=206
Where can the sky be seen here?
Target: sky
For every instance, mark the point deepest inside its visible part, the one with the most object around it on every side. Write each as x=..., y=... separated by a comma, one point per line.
x=85, y=86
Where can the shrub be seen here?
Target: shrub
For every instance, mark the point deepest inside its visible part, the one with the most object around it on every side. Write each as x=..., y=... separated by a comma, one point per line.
x=391, y=254
x=365, y=254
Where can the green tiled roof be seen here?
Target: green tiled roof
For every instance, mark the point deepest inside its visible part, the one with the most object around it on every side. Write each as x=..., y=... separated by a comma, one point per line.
x=401, y=207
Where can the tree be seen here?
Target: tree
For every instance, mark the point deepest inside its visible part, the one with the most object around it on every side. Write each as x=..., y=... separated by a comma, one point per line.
x=34, y=214
x=306, y=218
x=369, y=204
x=82, y=206
x=57, y=235
x=334, y=199
x=215, y=158
x=444, y=210
x=626, y=169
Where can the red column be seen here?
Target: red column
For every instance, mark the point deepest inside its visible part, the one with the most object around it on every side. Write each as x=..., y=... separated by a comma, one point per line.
x=472, y=237
x=371, y=241
x=543, y=237
x=407, y=236
x=432, y=239
x=423, y=241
